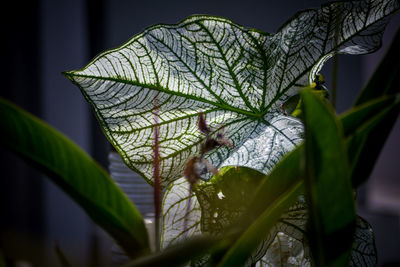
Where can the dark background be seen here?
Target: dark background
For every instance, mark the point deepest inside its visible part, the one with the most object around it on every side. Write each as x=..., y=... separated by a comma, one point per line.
x=40, y=39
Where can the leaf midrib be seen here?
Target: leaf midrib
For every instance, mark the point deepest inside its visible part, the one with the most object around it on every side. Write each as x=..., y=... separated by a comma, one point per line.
x=160, y=123
x=251, y=115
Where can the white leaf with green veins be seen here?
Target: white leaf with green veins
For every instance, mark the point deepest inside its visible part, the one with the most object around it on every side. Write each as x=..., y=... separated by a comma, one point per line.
x=236, y=76
x=219, y=203
x=175, y=202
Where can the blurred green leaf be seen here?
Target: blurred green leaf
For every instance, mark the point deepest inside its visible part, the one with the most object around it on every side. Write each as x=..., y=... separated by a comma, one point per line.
x=225, y=197
x=274, y=196
x=180, y=253
x=385, y=81
x=363, y=114
x=360, y=122
x=328, y=187
x=76, y=173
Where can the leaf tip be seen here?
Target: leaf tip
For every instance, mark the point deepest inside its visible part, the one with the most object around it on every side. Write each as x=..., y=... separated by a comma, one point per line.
x=68, y=74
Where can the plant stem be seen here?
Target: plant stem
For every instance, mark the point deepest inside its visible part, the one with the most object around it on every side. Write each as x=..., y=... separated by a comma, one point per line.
x=338, y=18
x=335, y=65
x=157, y=179
x=188, y=205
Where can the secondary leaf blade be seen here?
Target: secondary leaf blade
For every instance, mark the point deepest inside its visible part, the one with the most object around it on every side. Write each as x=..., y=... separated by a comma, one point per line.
x=385, y=81
x=76, y=173
x=175, y=201
x=377, y=125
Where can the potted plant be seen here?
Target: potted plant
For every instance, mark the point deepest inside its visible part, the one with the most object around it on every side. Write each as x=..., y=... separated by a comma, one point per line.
x=232, y=127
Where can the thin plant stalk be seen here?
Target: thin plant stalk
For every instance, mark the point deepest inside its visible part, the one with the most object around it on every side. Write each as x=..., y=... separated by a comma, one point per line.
x=188, y=206
x=335, y=63
x=157, y=178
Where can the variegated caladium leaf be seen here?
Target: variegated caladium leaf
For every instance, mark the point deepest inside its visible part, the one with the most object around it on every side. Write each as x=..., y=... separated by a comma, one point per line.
x=174, y=209
x=290, y=247
x=364, y=249
x=286, y=251
x=219, y=204
x=216, y=204
x=236, y=76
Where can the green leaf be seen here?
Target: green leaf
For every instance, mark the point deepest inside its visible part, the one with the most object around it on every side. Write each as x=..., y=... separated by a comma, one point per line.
x=277, y=193
x=328, y=185
x=362, y=115
x=364, y=120
x=237, y=77
x=76, y=173
x=180, y=253
x=225, y=197
x=385, y=81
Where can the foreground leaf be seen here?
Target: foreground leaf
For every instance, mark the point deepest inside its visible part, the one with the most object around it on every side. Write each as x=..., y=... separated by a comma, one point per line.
x=280, y=190
x=328, y=185
x=180, y=253
x=377, y=118
x=357, y=118
x=76, y=173
x=226, y=197
x=237, y=77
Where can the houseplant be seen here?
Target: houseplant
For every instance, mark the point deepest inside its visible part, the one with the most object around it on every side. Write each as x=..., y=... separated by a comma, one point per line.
x=241, y=90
